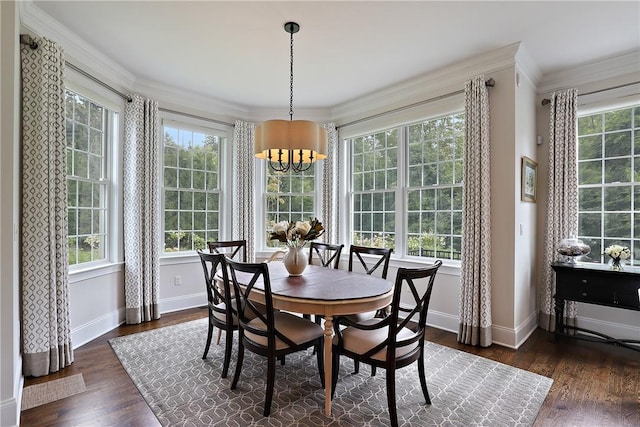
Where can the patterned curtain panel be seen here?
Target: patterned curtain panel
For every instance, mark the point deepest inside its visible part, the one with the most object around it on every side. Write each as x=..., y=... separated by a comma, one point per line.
x=141, y=210
x=243, y=185
x=46, y=331
x=475, y=286
x=330, y=187
x=561, y=220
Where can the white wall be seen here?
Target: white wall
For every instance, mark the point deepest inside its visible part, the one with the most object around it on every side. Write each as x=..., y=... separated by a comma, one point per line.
x=526, y=232
x=11, y=379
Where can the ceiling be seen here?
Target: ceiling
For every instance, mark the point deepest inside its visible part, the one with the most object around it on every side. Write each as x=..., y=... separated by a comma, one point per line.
x=239, y=52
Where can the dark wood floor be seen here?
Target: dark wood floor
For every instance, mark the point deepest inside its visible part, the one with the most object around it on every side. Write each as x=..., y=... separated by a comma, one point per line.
x=594, y=384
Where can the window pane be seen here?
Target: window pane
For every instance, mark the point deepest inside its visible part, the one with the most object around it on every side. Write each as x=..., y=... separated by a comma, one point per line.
x=608, y=191
x=441, y=142
x=289, y=197
x=191, y=187
x=87, y=133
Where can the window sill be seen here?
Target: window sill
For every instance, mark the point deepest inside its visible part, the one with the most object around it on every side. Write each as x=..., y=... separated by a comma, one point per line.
x=90, y=272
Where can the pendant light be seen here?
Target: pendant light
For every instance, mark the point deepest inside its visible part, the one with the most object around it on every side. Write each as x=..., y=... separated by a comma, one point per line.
x=291, y=144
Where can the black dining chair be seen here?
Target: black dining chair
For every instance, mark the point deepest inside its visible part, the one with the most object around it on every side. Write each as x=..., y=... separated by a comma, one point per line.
x=222, y=312
x=328, y=255
x=394, y=341
x=273, y=334
x=375, y=260
x=231, y=248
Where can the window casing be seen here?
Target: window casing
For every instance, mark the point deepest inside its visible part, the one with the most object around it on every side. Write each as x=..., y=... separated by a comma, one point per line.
x=191, y=186
x=89, y=135
x=609, y=181
x=417, y=212
x=289, y=196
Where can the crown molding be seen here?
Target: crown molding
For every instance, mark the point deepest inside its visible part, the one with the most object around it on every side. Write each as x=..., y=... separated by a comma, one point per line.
x=436, y=83
x=77, y=51
x=528, y=67
x=608, y=68
x=179, y=99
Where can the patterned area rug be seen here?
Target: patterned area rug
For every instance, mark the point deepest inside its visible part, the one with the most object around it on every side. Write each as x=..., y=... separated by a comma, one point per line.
x=183, y=390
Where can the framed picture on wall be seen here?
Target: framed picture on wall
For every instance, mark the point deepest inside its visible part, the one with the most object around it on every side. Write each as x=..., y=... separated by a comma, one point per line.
x=529, y=179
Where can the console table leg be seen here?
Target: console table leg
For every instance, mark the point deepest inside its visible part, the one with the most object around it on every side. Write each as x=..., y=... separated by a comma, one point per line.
x=559, y=310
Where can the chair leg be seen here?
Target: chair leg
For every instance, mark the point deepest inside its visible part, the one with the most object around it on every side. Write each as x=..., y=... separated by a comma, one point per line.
x=219, y=335
x=423, y=379
x=356, y=366
x=206, y=347
x=271, y=379
x=236, y=376
x=391, y=396
x=335, y=367
x=318, y=348
x=373, y=370
x=227, y=352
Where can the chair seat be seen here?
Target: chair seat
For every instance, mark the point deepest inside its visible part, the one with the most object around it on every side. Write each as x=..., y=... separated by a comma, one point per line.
x=360, y=341
x=222, y=317
x=362, y=317
x=296, y=328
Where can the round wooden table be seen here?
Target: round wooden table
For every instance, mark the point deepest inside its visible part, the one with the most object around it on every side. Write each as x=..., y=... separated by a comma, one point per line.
x=327, y=292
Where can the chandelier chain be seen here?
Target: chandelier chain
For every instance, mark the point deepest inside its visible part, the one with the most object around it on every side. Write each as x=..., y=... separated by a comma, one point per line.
x=291, y=81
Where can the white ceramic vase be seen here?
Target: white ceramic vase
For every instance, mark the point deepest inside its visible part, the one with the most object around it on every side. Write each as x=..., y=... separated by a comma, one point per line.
x=295, y=261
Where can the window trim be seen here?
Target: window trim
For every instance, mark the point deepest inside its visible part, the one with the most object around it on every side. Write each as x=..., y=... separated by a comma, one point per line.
x=454, y=105
x=113, y=169
x=260, y=203
x=225, y=203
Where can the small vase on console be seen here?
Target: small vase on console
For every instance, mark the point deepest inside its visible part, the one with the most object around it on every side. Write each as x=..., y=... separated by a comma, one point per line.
x=295, y=260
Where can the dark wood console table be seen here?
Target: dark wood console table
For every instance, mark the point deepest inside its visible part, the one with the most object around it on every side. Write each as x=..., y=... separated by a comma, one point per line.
x=595, y=284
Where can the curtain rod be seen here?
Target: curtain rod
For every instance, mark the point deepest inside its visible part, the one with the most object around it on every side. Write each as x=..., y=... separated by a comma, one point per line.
x=193, y=116
x=547, y=101
x=26, y=39
x=490, y=82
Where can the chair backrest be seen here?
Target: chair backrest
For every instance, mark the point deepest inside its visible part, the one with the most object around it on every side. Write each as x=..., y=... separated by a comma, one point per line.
x=230, y=248
x=217, y=291
x=326, y=253
x=378, y=257
x=410, y=311
x=255, y=273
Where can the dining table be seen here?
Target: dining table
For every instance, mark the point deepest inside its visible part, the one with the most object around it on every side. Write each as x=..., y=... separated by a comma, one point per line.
x=327, y=292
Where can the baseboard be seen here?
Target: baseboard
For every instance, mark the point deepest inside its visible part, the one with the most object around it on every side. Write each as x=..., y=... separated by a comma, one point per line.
x=514, y=338
x=525, y=329
x=10, y=408
x=444, y=321
x=103, y=324
x=183, y=302
x=614, y=330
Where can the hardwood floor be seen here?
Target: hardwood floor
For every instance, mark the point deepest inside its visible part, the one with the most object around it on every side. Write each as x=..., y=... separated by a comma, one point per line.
x=594, y=384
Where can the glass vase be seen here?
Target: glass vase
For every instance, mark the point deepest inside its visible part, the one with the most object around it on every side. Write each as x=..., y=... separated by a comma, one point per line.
x=616, y=264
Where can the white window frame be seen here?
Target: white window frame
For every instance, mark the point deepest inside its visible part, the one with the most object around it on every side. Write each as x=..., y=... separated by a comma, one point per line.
x=114, y=105
x=600, y=104
x=260, y=203
x=225, y=162
x=427, y=111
